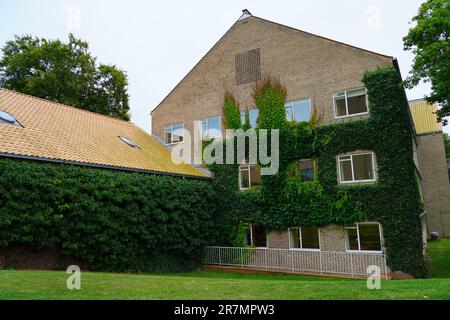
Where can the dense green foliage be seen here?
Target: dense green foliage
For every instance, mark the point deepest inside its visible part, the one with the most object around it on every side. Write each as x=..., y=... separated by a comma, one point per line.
x=64, y=73
x=110, y=220
x=284, y=201
x=429, y=41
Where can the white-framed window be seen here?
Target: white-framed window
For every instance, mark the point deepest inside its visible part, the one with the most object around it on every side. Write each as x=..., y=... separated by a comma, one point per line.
x=350, y=103
x=255, y=235
x=364, y=236
x=358, y=167
x=173, y=133
x=298, y=110
x=253, y=114
x=211, y=127
x=304, y=238
x=249, y=176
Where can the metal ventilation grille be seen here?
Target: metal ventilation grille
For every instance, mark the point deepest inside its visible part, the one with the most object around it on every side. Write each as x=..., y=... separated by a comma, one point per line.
x=248, y=66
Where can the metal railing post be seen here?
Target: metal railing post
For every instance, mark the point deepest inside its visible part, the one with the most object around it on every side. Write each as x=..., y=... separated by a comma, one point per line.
x=220, y=256
x=292, y=260
x=242, y=257
x=265, y=259
x=320, y=258
x=351, y=265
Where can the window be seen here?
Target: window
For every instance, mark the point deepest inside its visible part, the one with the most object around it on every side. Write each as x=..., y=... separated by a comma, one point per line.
x=128, y=142
x=255, y=236
x=306, y=168
x=174, y=133
x=307, y=238
x=253, y=115
x=248, y=66
x=364, y=237
x=298, y=110
x=350, y=103
x=210, y=128
x=249, y=176
x=356, y=168
x=8, y=118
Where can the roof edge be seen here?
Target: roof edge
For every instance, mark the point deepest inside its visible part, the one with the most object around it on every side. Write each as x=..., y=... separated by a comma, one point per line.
x=269, y=21
x=67, y=106
x=100, y=166
x=325, y=38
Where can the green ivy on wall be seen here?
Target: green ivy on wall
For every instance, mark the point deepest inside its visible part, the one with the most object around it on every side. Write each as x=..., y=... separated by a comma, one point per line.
x=284, y=201
x=110, y=220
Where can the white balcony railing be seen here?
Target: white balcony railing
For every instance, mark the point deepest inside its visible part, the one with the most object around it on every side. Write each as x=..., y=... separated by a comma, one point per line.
x=297, y=261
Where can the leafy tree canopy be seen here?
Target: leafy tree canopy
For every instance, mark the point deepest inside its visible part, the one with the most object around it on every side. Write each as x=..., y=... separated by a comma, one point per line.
x=429, y=41
x=65, y=73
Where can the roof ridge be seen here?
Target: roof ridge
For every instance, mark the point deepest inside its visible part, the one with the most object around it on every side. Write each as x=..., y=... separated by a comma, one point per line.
x=67, y=106
x=322, y=37
x=262, y=19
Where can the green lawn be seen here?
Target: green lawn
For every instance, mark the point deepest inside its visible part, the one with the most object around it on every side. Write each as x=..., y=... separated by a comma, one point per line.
x=224, y=285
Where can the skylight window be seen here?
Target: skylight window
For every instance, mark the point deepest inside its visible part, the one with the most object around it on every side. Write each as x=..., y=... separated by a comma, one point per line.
x=8, y=118
x=128, y=142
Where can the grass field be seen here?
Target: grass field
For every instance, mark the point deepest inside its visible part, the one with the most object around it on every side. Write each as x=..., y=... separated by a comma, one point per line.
x=225, y=285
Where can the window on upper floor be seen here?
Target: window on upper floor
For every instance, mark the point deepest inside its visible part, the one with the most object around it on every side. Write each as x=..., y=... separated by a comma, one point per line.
x=253, y=116
x=210, y=128
x=249, y=176
x=298, y=110
x=304, y=169
x=306, y=238
x=358, y=167
x=364, y=237
x=350, y=103
x=173, y=133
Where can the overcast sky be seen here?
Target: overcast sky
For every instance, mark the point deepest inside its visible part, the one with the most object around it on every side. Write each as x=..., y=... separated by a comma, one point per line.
x=158, y=42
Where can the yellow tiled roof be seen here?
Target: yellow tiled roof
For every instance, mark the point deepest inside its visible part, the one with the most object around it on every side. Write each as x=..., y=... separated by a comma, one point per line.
x=424, y=116
x=58, y=132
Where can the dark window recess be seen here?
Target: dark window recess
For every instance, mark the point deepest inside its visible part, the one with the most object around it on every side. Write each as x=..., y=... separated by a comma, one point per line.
x=259, y=236
x=248, y=66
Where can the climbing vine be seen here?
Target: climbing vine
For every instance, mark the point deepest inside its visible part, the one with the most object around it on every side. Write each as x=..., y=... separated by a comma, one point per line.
x=283, y=200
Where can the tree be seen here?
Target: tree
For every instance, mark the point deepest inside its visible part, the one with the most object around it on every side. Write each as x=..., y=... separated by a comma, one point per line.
x=429, y=41
x=447, y=145
x=65, y=73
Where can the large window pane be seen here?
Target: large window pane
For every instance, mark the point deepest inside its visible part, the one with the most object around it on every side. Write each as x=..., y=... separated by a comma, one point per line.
x=255, y=176
x=259, y=236
x=306, y=168
x=310, y=237
x=346, y=170
x=248, y=236
x=362, y=167
x=214, y=127
x=289, y=114
x=295, y=238
x=302, y=110
x=173, y=133
x=244, y=181
x=350, y=102
x=357, y=104
x=369, y=237
x=352, y=239
x=340, y=107
x=253, y=115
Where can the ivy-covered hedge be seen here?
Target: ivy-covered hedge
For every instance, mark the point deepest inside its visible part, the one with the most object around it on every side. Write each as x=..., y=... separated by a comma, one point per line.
x=110, y=220
x=283, y=201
